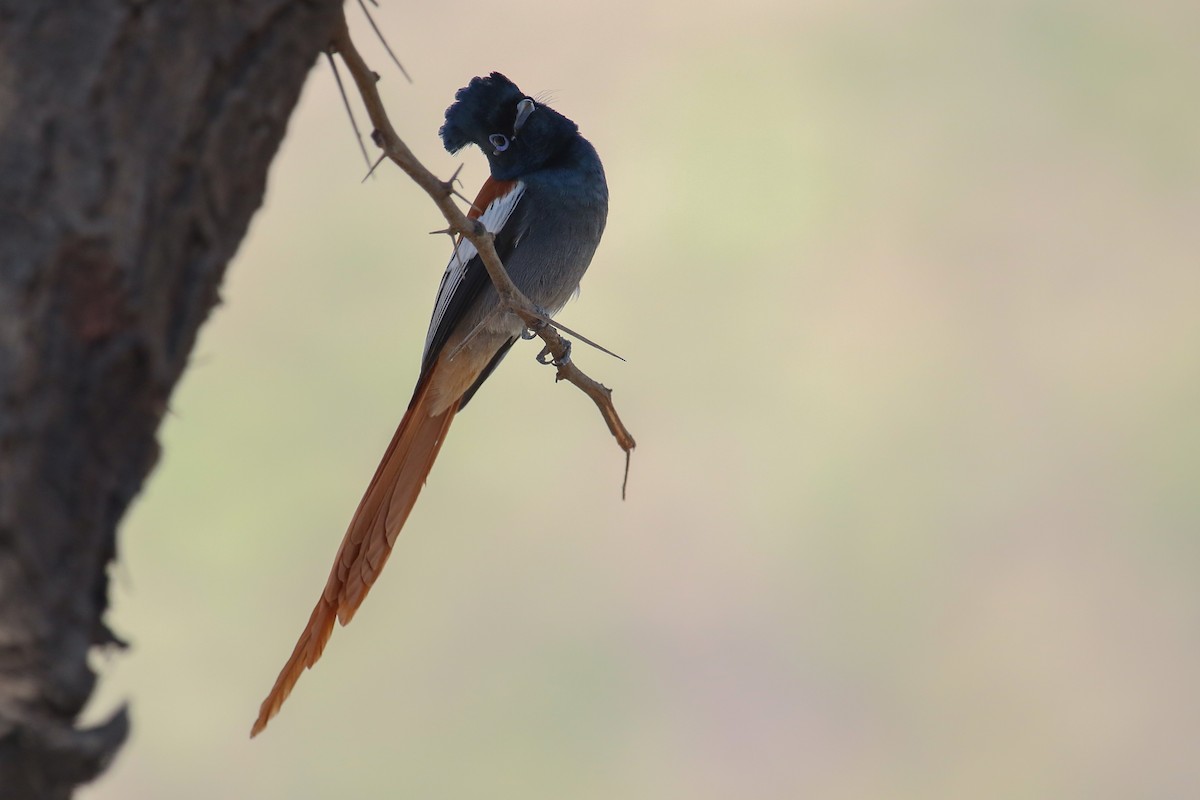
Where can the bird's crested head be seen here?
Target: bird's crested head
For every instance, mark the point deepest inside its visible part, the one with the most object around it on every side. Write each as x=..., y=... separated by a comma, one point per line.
x=517, y=134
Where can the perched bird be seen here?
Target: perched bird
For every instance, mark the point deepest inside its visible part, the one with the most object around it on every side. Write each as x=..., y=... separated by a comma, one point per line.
x=546, y=201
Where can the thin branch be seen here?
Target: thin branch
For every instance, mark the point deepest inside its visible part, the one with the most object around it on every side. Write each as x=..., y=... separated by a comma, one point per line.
x=442, y=193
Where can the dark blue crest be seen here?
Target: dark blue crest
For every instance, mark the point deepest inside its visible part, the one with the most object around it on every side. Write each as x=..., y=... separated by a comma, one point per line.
x=516, y=134
x=481, y=108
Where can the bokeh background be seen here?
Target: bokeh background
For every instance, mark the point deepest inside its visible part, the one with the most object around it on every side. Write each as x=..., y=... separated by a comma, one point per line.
x=910, y=297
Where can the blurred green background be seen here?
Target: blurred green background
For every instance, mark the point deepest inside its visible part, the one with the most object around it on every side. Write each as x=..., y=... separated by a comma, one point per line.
x=909, y=293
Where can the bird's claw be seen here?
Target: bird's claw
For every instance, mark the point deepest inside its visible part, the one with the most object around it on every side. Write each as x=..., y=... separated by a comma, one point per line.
x=547, y=357
x=532, y=330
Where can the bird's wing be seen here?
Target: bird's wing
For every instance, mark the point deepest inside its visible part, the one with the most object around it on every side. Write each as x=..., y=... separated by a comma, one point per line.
x=498, y=207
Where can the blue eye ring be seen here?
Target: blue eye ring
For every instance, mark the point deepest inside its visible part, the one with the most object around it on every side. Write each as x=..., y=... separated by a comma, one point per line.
x=499, y=141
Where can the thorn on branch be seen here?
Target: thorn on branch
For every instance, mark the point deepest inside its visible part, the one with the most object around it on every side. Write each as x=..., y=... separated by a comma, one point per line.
x=448, y=188
x=371, y=171
x=379, y=33
x=337, y=76
x=625, y=482
x=581, y=337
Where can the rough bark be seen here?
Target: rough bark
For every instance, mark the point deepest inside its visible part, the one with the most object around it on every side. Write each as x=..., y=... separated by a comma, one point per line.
x=135, y=139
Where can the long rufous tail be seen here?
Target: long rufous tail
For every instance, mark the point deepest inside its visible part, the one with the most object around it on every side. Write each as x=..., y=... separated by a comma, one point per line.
x=369, y=539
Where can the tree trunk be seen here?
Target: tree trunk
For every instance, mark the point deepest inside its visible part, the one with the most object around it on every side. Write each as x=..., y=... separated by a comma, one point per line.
x=135, y=139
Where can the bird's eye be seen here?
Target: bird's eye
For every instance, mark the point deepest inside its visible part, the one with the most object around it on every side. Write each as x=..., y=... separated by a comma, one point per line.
x=499, y=141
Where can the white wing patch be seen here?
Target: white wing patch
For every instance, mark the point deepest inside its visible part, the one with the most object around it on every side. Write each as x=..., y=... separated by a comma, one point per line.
x=493, y=218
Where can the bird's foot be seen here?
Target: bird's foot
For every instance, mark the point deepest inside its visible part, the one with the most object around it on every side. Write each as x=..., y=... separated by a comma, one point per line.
x=547, y=357
x=533, y=329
